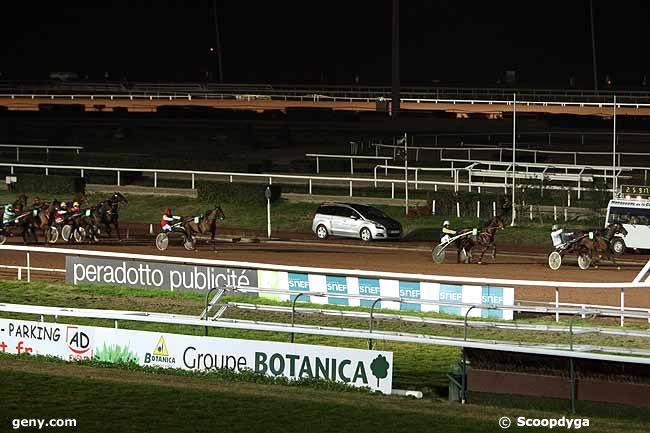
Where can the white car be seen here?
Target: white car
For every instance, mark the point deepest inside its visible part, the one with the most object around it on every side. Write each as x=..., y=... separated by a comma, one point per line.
x=354, y=221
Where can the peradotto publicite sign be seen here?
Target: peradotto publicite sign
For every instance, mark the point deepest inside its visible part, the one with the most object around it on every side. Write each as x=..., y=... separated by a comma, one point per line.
x=151, y=275
x=359, y=368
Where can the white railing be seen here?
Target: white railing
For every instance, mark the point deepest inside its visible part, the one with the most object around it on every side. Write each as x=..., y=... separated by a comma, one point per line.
x=501, y=150
x=621, y=310
x=562, y=350
x=320, y=156
x=34, y=146
x=232, y=175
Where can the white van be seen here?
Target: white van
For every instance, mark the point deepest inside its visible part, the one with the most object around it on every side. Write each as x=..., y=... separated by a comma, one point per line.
x=634, y=214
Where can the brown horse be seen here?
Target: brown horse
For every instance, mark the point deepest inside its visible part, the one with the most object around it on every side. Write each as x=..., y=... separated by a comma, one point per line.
x=206, y=223
x=483, y=239
x=601, y=243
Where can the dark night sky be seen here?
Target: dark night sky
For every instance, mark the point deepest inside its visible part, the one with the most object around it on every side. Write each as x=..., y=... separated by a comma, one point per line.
x=303, y=41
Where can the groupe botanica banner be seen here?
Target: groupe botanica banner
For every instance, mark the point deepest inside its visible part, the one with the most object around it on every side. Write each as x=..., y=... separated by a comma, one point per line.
x=334, y=288
x=360, y=368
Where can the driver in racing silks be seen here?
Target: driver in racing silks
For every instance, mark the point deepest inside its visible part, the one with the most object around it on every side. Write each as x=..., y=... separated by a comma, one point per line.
x=168, y=220
x=447, y=232
x=557, y=235
x=9, y=214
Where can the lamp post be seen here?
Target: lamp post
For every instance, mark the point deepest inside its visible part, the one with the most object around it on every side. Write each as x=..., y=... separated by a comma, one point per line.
x=614, y=180
x=514, y=151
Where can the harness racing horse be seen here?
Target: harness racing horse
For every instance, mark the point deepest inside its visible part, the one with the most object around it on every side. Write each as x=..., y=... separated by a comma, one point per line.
x=105, y=213
x=601, y=244
x=484, y=239
x=206, y=223
x=25, y=219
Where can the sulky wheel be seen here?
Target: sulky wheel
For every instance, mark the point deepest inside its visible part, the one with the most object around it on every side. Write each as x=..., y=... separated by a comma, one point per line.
x=66, y=233
x=162, y=241
x=554, y=260
x=189, y=243
x=52, y=235
x=438, y=253
x=3, y=238
x=79, y=234
x=584, y=261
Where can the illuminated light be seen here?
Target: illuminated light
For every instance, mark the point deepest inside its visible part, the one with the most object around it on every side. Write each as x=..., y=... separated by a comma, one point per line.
x=638, y=197
x=627, y=197
x=609, y=82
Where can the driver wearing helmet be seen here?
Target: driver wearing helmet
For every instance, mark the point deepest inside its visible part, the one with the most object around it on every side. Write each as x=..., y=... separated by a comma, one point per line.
x=9, y=214
x=168, y=218
x=75, y=208
x=61, y=213
x=556, y=235
x=447, y=231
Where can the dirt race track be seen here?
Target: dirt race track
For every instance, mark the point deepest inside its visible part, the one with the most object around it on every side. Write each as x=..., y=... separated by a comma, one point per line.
x=511, y=262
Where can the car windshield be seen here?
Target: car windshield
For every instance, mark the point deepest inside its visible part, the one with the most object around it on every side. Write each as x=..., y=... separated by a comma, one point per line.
x=370, y=212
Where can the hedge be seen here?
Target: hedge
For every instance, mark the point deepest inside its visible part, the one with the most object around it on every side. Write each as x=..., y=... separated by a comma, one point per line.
x=55, y=184
x=242, y=193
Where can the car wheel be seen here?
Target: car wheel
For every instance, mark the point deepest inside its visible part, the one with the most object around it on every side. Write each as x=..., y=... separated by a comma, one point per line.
x=365, y=234
x=321, y=232
x=618, y=246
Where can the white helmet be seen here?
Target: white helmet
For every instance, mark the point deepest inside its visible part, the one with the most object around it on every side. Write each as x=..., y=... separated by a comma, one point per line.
x=446, y=223
x=64, y=205
x=555, y=227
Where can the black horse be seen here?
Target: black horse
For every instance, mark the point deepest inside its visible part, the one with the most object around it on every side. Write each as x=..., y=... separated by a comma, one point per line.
x=106, y=213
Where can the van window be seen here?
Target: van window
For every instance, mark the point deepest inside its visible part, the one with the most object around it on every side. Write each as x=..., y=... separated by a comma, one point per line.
x=326, y=210
x=342, y=211
x=629, y=215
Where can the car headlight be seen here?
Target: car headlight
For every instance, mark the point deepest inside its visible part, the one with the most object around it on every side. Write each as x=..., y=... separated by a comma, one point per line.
x=380, y=227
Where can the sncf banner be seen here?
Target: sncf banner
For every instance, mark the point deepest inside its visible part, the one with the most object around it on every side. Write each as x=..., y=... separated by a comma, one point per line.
x=361, y=368
x=151, y=275
x=372, y=288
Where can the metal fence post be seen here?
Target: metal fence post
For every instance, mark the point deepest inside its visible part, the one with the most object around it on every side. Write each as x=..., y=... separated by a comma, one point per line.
x=293, y=312
x=155, y=179
x=372, y=309
x=29, y=272
x=463, y=391
x=207, y=296
x=118, y=178
x=622, y=306
x=192, y=180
